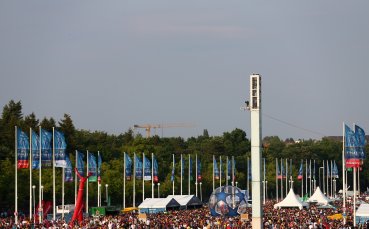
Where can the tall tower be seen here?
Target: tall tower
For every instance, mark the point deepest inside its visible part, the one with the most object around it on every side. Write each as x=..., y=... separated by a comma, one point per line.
x=255, y=109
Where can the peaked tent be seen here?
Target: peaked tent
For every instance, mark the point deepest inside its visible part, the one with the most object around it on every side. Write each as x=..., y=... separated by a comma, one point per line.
x=154, y=205
x=362, y=213
x=187, y=201
x=291, y=201
x=318, y=197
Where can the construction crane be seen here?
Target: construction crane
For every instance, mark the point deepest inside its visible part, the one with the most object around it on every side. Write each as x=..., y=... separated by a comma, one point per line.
x=148, y=127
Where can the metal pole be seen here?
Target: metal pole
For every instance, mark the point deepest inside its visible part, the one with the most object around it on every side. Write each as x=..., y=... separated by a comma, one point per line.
x=54, y=208
x=87, y=183
x=143, y=177
x=134, y=179
x=196, y=175
x=276, y=178
x=30, y=174
x=182, y=174
x=16, y=176
x=124, y=180
x=40, y=215
x=173, y=177
x=220, y=171
x=189, y=174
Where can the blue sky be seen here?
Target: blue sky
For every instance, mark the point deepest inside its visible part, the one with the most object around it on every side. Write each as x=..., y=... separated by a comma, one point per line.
x=113, y=64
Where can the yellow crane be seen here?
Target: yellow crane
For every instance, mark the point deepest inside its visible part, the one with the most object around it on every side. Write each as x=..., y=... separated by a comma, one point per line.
x=148, y=127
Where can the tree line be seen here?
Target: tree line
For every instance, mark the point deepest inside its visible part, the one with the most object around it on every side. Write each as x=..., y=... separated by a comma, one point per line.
x=111, y=147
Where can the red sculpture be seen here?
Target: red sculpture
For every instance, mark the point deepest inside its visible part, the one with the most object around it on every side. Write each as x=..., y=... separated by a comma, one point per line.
x=78, y=210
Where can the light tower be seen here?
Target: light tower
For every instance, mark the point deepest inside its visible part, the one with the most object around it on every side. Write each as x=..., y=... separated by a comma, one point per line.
x=255, y=109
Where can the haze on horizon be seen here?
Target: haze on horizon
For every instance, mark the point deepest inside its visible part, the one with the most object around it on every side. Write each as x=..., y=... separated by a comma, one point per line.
x=114, y=64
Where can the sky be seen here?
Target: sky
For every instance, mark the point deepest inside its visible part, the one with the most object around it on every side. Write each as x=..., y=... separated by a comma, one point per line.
x=113, y=64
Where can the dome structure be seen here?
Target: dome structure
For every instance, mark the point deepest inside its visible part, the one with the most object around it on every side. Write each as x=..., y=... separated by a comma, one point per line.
x=227, y=201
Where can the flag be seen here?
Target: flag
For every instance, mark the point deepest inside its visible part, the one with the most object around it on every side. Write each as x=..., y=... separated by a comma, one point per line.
x=328, y=172
x=351, y=142
x=335, y=170
x=80, y=165
x=229, y=169
x=92, y=167
x=183, y=166
x=283, y=171
x=46, y=149
x=279, y=176
x=35, y=151
x=60, y=149
x=99, y=162
x=172, y=176
x=314, y=171
x=360, y=136
x=198, y=175
x=216, y=171
x=147, y=172
x=249, y=170
x=300, y=176
x=308, y=171
x=190, y=167
x=156, y=168
x=138, y=167
x=234, y=169
x=22, y=149
x=128, y=167
x=68, y=171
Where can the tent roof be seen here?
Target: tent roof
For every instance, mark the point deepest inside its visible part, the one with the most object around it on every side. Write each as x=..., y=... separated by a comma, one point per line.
x=186, y=200
x=319, y=197
x=291, y=200
x=159, y=203
x=363, y=210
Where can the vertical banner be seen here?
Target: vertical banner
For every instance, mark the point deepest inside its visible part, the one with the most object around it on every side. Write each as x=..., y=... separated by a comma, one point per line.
x=279, y=175
x=335, y=170
x=60, y=149
x=351, y=155
x=80, y=165
x=234, y=169
x=155, y=171
x=68, y=171
x=35, y=151
x=216, y=170
x=198, y=175
x=190, y=167
x=99, y=162
x=46, y=149
x=128, y=167
x=300, y=176
x=147, y=172
x=249, y=171
x=92, y=167
x=22, y=149
x=361, y=141
x=138, y=168
x=172, y=176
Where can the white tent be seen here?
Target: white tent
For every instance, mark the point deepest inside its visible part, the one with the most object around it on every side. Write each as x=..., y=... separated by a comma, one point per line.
x=154, y=205
x=362, y=213
x=318, y=197
x=291, y=201
x=187, y=200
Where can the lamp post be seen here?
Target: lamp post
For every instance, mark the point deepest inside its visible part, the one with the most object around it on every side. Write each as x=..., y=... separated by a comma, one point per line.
x=201, y=191
x=34, y=205
x=158, y=190
x=106, y=192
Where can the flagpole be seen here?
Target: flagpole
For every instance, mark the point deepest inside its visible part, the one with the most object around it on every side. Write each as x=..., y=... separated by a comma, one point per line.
x=152, y=175
x=124, y=180
x=264, y=181
x=54, y=174
x=134, y=180
x=30, y=174
x=328, y=194
x=354, y=208
x=302, y=180
x=213, y=173
x=40, y=178
x=286, y=176
x=63, y=180
x=331, y=179
x=314, y=178
x=143, y=176
x=98, y=188
x=196, y=175
x=227, y=171
x=311, y=176
x=248, y=175
x=306, y=178
x=276, y=178
x=220, y=171
x=173, y=177
x=16, y=175
x=324, y=179
x=87, y=184
x=233, y=176
x=282, y=179
x=75, y=180
x=182, y=172
x=189, y=174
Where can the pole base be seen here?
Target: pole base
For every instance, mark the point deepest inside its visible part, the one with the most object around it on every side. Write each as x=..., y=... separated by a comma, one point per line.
x=257, y=223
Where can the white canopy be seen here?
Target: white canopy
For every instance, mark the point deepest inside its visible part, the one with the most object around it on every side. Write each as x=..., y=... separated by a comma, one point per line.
x=291, y=200
x=187, y=200
x=158, y=204
x=363, y=210
x=319, y=197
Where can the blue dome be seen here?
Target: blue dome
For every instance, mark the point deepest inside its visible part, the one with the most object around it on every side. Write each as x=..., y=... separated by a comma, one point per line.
x=227, y=201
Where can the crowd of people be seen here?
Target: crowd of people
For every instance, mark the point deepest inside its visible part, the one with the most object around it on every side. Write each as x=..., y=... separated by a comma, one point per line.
x=312, y=217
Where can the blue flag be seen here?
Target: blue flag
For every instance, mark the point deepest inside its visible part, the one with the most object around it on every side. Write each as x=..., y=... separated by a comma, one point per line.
x=23, y=149
x=92, y=167
x=300, y=176
x=128, y=168
x=46, y=149
x=229, y=169
x=99, y=162
x=68, y=171
x=190, y=167
x=172, y=176
x=60, y=149
x=80, y=165
x=335, y=170
x=147, y=172
x=183, y=165
x=156, y=168
x=35, y=151
x=138, y=167
x=351, y=142
x=216, y=170
x=360, y=136
x=199, y=177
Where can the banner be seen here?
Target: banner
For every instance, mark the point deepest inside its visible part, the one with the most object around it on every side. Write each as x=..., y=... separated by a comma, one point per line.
x=229, y=169
x=172, y=176
x=234, y=169
x=249, y=170
x=46, y=149
x=328, y=171
x=360, y=136
x=198, y=175
x=183, y=165
x=35, y=151
x=80, y=165
x=99, y=162
x=138, y=167
x=300, y=176
x=128, y=167
x=60, y=149
x=190, y=167
x=351, y=155
x=147, y=172
x=216, y=170
x=279, y=175
x=156, y=168
x=68, y=171
x=335, y=170
x=92, y=168
x=22, y=149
